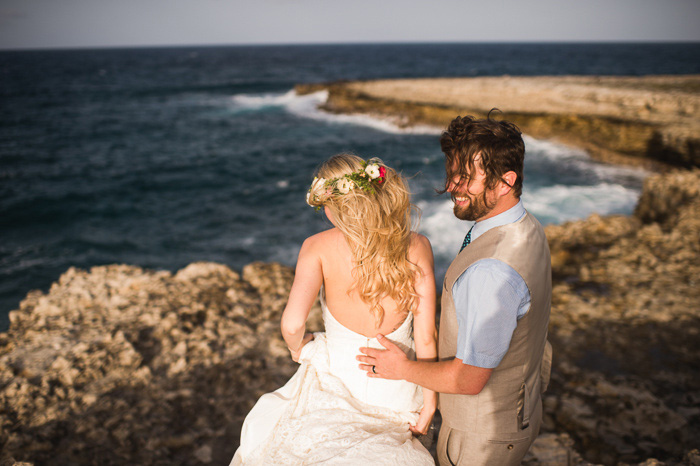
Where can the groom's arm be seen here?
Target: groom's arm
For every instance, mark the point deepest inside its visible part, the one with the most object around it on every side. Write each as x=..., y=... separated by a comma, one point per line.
x=451, y=376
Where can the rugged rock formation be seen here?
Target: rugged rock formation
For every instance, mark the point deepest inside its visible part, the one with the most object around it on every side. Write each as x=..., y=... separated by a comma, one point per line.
x=120, y=365
x=617, y=119
x=625, y=327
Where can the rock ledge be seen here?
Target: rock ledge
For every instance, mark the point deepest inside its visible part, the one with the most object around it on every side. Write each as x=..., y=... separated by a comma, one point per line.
x=631, y=120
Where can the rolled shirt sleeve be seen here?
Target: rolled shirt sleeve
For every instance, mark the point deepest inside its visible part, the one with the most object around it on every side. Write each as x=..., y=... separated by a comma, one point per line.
x=490, y=297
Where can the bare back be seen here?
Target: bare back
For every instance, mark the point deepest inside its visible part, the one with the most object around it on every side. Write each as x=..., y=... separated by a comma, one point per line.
x=347, y=308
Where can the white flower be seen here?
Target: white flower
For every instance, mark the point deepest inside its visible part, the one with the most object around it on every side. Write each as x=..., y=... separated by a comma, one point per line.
x=314, y=191
x=345, y=185
x=372, y=170
x=317, y=184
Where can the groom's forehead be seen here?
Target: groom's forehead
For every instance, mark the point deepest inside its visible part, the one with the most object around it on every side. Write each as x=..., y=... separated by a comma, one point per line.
x=461, y=165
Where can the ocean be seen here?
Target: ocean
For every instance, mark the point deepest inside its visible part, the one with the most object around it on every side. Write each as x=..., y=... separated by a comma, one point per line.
x=162, y=157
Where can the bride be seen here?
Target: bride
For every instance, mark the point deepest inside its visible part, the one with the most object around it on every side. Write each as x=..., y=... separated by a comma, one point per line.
x=374, y=276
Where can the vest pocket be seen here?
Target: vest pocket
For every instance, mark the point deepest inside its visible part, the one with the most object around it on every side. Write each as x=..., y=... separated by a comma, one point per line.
x=508, y=440
x=524, y=407
x=546, y=368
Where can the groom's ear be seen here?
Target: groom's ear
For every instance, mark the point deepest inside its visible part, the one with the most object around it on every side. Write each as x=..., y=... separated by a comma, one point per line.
x=507, y=182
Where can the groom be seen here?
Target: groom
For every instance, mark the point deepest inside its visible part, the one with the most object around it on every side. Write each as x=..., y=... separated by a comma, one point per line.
x=494, y=355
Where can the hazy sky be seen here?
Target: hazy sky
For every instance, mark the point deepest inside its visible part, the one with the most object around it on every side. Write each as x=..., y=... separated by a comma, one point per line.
x=93, y=23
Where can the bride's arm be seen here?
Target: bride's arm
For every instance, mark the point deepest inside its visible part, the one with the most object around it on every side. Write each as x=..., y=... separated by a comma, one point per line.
x=307, y=282
x=424, y=331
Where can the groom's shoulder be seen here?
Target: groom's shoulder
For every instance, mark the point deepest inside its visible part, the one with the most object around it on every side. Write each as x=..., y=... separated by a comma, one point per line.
x=529, y=216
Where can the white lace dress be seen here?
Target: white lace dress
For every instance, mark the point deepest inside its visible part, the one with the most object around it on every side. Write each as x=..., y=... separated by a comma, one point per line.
x=331, y=412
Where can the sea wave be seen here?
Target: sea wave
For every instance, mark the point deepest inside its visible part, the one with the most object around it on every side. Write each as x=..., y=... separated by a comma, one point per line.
x=550, y=204
x=561, y=203
x=290, y=101
x=309, y=106
x=568, y=157
x=444, y=230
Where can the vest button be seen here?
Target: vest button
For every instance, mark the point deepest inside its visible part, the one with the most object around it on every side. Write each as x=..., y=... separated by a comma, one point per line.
x=510, y=447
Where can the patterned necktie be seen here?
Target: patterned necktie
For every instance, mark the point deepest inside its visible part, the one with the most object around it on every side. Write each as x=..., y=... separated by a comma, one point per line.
x=467, y=239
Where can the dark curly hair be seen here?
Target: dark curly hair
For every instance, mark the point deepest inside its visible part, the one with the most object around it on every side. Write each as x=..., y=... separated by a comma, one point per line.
x=500, y=144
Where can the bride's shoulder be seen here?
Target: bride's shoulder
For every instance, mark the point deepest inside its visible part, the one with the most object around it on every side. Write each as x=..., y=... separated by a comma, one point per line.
x=322, y=240
x=332, y=234
x=322, y=246
x=420, y=252
x=420, y=243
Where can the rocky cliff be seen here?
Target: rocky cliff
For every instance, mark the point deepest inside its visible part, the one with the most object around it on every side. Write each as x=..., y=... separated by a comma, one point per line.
x=120, y=365
x=631, y=120
x=625, y=327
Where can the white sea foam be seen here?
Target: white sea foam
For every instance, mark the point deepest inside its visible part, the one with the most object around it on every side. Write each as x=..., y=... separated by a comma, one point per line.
x=289, y=100
x=444, y=230
x=379, y=124
x=560, y=203
x=308, y=106
x=551, y=204
x=577, y=159
x=553, y=150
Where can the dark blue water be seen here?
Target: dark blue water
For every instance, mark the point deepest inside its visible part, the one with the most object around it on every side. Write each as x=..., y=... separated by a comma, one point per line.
x=161, y=157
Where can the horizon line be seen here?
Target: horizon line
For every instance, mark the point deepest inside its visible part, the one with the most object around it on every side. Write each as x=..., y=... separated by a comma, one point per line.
x=363, y=43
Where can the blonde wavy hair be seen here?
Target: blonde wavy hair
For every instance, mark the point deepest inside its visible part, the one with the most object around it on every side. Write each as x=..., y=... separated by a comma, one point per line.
x=377, y=227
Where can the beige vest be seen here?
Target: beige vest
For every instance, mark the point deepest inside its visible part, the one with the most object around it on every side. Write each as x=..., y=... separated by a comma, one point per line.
x=513, y=392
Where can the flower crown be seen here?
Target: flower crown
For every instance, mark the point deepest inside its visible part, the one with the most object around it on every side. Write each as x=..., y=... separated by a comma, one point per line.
x=366, y=178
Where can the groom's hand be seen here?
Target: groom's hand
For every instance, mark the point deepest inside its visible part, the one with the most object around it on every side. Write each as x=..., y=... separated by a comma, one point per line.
x=387, y=363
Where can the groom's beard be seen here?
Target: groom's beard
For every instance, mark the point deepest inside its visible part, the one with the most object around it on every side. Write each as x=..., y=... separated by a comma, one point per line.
x=479, y=206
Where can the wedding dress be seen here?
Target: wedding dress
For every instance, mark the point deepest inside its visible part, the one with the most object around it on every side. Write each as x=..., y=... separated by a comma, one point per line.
x=331, y=412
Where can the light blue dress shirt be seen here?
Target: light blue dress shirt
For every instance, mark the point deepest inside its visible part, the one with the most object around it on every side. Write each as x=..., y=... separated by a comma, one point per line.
x=490, y=297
